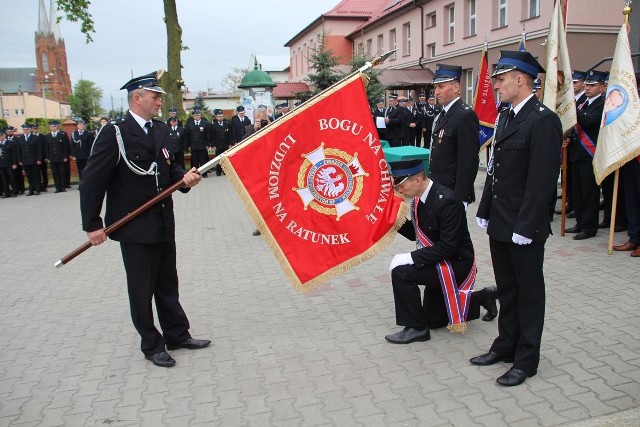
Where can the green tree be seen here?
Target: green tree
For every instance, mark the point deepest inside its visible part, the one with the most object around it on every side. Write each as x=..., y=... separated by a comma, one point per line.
x=171, y=81
x=85, y=99
x=199, y=104
x=324, y=62
x=3, y=124
x=233, y=79
x=375, y=90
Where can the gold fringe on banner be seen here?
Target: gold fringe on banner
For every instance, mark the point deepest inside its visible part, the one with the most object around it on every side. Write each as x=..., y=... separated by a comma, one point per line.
x=255, y=215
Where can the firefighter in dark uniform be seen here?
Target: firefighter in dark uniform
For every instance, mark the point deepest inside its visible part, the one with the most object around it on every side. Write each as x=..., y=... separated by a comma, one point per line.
x=196, y=139
x=430, y=111
x=43, y=168
x=81, y=142
x=586, y=192
x=239, y=122
x=176, y=137
x=455, y=139
x=522, y=174
x=17, y=172
x=57, y=148
x=173, y=114
x=131, y=164
x=379, y=111
x=415, y=124
x=393, y=121
x=220, y=134
x=8, y=164
x=30, y=158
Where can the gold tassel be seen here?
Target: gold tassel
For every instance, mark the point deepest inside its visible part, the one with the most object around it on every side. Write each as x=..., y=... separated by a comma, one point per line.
x=458, y=328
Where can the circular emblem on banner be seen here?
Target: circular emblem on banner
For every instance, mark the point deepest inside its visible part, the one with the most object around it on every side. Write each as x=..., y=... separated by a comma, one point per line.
x=330, y=181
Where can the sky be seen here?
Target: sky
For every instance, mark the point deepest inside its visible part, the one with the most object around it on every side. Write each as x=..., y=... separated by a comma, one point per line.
x=130, y=38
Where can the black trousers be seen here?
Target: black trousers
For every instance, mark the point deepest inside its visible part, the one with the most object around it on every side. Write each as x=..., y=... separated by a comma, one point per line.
x=179, y=158
x=151, y=274
x=33, y=176
x=45, y=174
x=520, y=280
x=58, y=170
x=80, y=164
x=586, y=196
x=607, y=195
x=8, y=181
x=199, y=158
x=430, y=310
x=19, y=178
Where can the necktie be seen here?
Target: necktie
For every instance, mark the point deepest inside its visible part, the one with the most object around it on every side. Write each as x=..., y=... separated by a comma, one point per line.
x=583, y=104
x=147, y=126
x=198, y=123
x=510, y=117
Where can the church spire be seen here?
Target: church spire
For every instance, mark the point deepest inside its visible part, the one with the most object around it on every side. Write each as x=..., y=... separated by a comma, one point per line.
x=43, y=22
x=53, y=21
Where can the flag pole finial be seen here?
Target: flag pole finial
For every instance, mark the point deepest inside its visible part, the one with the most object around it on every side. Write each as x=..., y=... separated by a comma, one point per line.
x=626, y=11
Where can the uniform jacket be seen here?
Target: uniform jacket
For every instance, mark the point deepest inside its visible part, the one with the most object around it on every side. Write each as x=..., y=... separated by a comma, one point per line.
x=375, y=112
x=81, y=144
x=107, y=173
x=8, y=153
x=428, y=114
x=176, y=138
x=42, y=143
x=394, y=127
x=454, y=159
x=237, y=128
x=58, y=148
x=220, y=135
x=526, y=164
x=30, y=149
x=442, y=218
x=196, y=137
x=589, y=118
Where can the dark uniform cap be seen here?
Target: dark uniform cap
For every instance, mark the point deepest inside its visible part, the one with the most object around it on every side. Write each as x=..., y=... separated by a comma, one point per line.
x=516, y=60
x=402, y=99
x=446, y=73
x=173, y=110
x=595, y=76
x=196, y=111
x=422, y=95
x=10, y=128
x=34, y=126
x=432, y=97
x=26, y=126
x=80, y=121
x=146, y=82
x=578, y=75
x=297, y=103
x=53, y=123
x=379, y=100
x=217, y=112
x=537, y=84
x=173, y=119
x=393, y=96
x=239, y=108
x=402, y=169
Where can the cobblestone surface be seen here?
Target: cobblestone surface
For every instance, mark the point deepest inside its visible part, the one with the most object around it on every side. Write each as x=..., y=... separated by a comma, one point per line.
x=70, y=356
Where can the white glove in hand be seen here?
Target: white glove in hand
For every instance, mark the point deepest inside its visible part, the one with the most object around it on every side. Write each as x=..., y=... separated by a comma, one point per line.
x=400, y=259
x=465, y=205
x=520, y=240
x=482, y=223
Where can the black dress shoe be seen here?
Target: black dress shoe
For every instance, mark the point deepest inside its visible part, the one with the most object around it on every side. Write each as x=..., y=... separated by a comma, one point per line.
x=408, y=335
x=489, y=359
x=583, y=235
x=489, y=303
x=191, y=344
x=574, y=229
x=513, y=376
x=161, y=359
x=256, y=233
x=604, y=224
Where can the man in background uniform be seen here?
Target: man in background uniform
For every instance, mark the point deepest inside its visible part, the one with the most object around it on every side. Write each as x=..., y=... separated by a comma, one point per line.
x=30, y=158
x=17, y=172
x=81, y=142
x=8, y=163
x=379, y=112
x=415, y=124
x=429, y=113
x=44, y=167
x=220, y=135
x=173, y=115
x=454, y=160
x=196, y=140
x=393, y=121
x=238, y=125
x=176, y=138
x=57, y=148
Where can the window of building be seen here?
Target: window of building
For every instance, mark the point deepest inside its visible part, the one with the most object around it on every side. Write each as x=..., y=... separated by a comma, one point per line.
x=392, y=42
x=471, y=13
x=406, y=35
x=468, y=86
x=45, y=62
x=534, y=8
x=22, y=111
x=502, y=13
x=369, y=47
x=380, y=44
x=16, y=112
x=431, y=20
x=431, y=49
x=451, y=24
x=360, y=49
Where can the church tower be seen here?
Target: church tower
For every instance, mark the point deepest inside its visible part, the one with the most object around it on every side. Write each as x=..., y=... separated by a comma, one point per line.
x=51, y=57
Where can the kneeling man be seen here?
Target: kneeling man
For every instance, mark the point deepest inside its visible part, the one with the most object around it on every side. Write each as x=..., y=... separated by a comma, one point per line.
x=443, y=261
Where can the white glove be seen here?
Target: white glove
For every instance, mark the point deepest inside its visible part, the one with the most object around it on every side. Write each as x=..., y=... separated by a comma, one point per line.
x=465, y=205
x=520, y=240
x=400, y=259
x=482, y=223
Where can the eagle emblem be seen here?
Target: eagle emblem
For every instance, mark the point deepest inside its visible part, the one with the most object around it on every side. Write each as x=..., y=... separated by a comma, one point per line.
x=330, y=181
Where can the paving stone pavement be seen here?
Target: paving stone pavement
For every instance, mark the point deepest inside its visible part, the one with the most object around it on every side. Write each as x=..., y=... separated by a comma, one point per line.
x=70, y=356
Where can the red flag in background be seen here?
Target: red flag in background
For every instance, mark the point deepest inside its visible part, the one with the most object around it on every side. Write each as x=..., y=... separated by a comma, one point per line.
x=484, y=103
x=317, y=184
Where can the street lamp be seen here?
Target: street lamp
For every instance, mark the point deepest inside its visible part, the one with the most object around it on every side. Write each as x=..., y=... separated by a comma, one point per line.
x=43, y=82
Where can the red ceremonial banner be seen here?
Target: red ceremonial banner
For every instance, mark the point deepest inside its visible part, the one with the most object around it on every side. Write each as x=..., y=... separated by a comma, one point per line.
x=317, y=184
